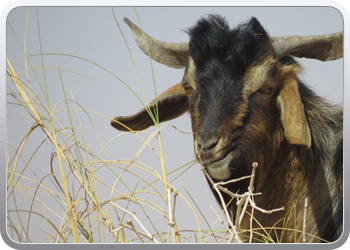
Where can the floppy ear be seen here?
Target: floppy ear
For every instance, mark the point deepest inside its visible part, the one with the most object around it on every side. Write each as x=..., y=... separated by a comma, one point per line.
x=171, y=104
x=296, y=127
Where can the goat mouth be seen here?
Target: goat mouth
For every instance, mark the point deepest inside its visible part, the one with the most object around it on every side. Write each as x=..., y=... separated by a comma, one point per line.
x=219, y=169
x=219, y=163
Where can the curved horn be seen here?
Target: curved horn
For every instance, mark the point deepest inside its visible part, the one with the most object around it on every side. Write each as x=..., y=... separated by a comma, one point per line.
x=322, y=47
x=174, y=55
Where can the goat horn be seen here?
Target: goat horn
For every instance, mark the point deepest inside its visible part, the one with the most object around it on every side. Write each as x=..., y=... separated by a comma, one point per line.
x=174, y=55
x=322, y=47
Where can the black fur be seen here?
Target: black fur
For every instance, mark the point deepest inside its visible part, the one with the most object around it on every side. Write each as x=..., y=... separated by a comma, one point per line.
x=212, y=41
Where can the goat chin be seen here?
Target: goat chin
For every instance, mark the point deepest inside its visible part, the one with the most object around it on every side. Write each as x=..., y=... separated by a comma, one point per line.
x=219, y=170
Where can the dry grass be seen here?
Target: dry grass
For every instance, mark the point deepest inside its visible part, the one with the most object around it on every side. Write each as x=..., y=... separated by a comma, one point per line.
x=66, y=198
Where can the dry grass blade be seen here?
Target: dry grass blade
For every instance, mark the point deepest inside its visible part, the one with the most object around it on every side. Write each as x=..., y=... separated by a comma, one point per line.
x=137, y=220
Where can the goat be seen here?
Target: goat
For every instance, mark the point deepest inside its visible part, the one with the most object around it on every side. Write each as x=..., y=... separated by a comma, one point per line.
x=247, y=105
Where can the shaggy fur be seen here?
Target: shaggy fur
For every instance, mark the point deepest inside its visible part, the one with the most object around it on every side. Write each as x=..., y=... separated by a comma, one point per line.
x=226, y=61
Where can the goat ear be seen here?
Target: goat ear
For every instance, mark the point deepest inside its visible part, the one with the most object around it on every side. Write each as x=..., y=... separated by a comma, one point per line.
x=171, y=104
x=296, y=127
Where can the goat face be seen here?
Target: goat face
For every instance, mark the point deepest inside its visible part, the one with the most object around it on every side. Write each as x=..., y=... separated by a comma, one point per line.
x=232, y=92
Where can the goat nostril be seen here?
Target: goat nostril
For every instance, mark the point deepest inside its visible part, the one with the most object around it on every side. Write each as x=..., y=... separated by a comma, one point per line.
x=207, y=144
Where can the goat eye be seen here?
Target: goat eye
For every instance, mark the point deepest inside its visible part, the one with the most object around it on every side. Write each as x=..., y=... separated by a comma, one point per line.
x=267, y=89
x=187, y=88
